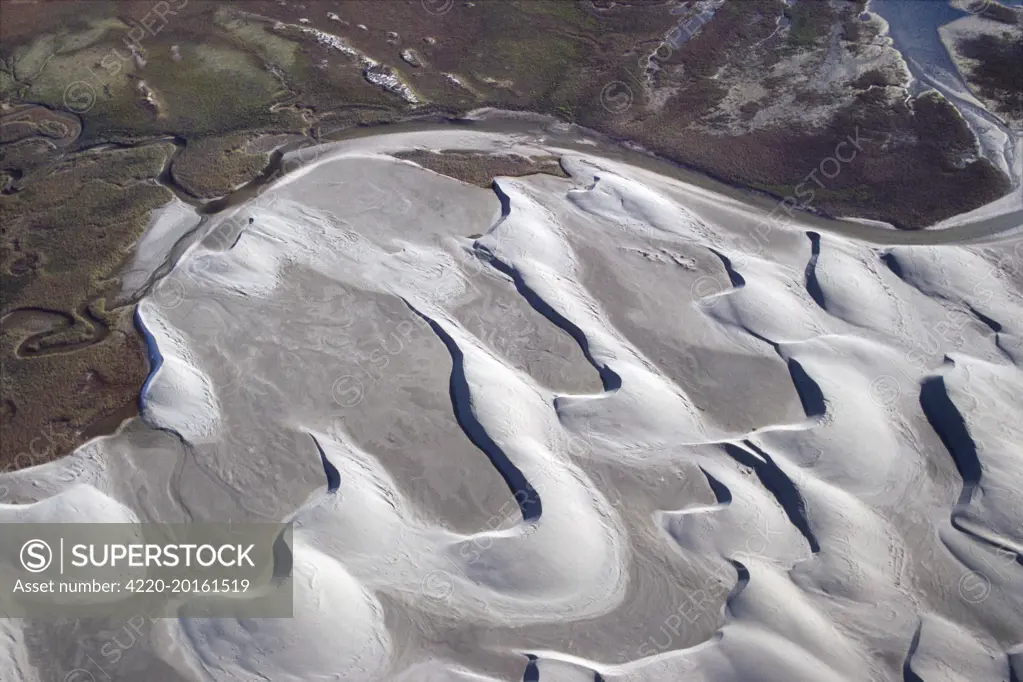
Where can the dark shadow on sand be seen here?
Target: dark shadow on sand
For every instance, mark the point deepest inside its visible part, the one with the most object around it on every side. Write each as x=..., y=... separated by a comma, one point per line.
x=609, y=379
x=721, y=492
x=778, y=484
x=810, y=394
x=907, y=672
x=813, y=286
x=461, y=400
x=948, y=423
x=333, y=477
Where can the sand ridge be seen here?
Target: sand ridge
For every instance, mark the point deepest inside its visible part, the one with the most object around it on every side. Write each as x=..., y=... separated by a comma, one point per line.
x=461, y=513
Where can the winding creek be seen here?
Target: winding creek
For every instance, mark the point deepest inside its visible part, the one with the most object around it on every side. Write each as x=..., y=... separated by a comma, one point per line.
x=38, y=325
x=540, y=129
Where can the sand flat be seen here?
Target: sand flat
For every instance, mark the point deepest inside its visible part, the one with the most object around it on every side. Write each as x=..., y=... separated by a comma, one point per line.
x=618, y=435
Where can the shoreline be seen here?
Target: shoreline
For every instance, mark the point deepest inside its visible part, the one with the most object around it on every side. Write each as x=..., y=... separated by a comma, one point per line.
x=536, y=131
x=543, y=128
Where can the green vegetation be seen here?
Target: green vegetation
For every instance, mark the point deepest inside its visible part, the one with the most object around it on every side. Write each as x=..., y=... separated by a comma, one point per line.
x=481, y=169
x=543, y=57
x=213, y=166
x=872, y=78
x=214, y=87
x=50, y=400
x=568, y=14
x=803, y=30
x=944, y=129
x=63, y=239
x=80, y=219
x=998, y=74
x=219, y=74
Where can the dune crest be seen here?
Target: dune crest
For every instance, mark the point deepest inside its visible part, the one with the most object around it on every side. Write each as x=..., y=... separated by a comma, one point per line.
x=794, y=458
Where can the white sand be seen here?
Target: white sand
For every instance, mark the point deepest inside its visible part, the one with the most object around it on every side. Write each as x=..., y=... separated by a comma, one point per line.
x=740, y=478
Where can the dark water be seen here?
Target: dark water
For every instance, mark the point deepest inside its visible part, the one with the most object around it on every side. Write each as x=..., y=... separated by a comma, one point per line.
x=914, y=28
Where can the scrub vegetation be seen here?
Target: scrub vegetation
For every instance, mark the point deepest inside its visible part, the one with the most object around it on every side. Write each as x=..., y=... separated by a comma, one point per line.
x=109, y=110
x=481, y=169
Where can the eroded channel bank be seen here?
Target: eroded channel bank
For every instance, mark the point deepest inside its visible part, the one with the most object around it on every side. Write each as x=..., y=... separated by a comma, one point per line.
x=536, y=131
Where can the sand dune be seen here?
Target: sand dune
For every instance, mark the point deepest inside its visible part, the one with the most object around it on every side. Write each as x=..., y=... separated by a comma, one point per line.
x=622, y=432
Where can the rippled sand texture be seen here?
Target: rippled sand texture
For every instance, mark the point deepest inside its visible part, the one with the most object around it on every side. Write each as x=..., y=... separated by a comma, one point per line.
x=628, y=433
